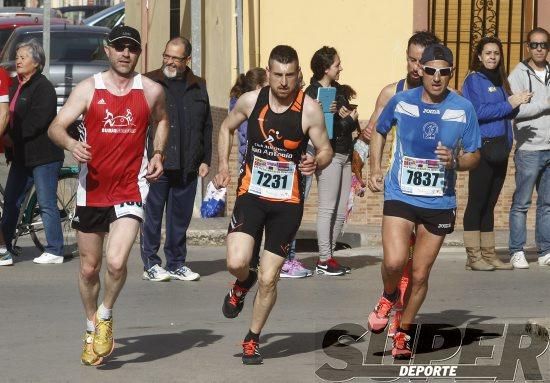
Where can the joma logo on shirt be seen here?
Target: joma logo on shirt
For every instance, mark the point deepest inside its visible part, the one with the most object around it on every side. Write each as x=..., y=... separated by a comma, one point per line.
x=431, y=111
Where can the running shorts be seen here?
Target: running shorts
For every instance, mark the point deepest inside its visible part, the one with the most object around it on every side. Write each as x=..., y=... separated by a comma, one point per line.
x=90, y=219
x=280, y=219
x=437, y=221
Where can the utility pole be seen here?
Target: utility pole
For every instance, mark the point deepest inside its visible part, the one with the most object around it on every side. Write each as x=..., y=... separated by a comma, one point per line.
x=46, y=36
x=196, y=63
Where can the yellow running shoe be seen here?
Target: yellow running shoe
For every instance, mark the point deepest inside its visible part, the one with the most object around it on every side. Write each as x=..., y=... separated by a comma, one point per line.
x=89, y=357
x=104, y=343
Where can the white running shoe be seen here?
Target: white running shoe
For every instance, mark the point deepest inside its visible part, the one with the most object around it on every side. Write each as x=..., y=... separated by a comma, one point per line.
x=47, y=258
x=518, y=260
x=544, y=260
x=6, y=259
x=184, y=273
x=156, y=274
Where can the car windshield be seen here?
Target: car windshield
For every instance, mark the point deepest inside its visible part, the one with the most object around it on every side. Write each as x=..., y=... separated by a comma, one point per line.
x=72, y=46
x=4, y=35
x=111, y=20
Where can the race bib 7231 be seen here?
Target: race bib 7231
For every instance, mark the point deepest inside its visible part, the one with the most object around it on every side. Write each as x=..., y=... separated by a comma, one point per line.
x=272, y=179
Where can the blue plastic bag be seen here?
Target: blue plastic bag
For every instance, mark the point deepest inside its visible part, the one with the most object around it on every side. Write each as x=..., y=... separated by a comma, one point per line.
x=213, y=204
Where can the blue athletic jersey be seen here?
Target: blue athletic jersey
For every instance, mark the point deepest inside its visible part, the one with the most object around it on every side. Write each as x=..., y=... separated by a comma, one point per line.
x=415, y=176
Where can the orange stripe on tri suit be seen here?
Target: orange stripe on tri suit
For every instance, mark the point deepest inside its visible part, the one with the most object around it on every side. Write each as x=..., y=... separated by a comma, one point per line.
x=245, y=182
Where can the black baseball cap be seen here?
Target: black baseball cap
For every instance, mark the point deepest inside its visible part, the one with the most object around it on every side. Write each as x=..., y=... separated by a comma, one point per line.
x=124, y=32
x=437, y=52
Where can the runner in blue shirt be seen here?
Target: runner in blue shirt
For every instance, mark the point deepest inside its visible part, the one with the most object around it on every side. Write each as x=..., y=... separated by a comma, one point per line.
x=437, y=133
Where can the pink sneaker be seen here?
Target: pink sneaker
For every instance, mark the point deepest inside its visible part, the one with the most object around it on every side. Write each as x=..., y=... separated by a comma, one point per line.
x=294, y=269
x=379, y=317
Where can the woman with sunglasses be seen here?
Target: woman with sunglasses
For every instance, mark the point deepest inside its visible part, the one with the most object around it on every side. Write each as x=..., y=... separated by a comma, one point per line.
x=487, y=88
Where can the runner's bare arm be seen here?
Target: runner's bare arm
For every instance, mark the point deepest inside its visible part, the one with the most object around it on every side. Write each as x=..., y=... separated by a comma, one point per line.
x=314, y=121
x=385, y=94
x=376, y=149
x=159, y=121
x=239, y=114
x=76, y=105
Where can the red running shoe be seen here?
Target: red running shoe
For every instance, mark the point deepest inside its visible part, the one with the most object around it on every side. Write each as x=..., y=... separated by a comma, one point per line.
x=378, y=319
x=401, y=346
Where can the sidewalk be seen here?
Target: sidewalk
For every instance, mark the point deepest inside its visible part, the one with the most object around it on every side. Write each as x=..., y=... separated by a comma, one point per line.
x=212, y=231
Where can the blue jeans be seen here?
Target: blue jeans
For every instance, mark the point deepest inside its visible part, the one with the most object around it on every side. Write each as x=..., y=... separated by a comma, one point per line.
x=176, y=192
x=20, y=180
x=532, y=170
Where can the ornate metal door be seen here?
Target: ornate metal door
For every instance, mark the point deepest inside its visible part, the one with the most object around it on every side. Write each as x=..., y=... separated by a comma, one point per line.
x=460, y=24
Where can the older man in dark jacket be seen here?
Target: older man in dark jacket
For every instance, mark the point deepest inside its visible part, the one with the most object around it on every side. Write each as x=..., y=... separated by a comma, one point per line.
x=187, y=156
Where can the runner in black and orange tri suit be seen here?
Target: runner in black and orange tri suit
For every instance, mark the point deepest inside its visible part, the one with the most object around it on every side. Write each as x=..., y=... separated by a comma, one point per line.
x=281, y=120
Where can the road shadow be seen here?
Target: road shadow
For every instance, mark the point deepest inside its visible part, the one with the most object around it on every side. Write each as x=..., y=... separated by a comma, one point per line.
x=158, y=346
x=205, y=268
x=282, y=345
x=446, y=330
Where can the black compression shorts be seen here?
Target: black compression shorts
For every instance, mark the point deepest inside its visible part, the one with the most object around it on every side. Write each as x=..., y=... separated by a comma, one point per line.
x=280, y=219
x=436, y=221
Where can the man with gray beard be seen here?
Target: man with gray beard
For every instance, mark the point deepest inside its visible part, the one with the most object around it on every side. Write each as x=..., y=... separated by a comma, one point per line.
x=187, y=155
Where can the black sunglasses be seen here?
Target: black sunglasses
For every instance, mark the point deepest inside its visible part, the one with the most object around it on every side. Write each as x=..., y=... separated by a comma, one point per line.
x=431, y=71
x=120, y=47
x=534, y=45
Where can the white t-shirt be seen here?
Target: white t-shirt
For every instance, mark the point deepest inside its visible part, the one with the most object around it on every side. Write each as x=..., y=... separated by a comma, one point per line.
x=541, y=74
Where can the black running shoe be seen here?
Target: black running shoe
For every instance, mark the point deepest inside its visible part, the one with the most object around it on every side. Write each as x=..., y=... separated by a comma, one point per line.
x=234, y=300
x=251, y=352
x=330, y=267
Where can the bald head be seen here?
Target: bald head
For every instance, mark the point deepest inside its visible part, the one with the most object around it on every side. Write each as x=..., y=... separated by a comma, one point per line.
x=181, y=42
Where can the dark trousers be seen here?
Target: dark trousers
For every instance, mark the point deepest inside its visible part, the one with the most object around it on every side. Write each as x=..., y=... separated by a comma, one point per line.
x=484, y=187
x=175, y=192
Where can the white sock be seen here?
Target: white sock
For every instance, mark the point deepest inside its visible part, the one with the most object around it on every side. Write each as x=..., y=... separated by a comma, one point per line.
x=3, y=249
x=90, y=326
x=104, y=313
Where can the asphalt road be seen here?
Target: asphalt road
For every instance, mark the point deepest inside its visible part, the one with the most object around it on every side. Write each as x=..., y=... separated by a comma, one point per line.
x=175, y=331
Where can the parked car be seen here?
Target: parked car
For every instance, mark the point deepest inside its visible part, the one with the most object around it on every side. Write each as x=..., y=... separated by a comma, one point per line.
x=77, y=13
x=76, y=53
x=8, y=24
x=26, y=11
x=109, y=18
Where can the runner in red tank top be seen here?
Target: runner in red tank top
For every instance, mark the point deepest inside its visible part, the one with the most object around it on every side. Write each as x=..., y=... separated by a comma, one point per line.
x=270, y=192
x=118, y=105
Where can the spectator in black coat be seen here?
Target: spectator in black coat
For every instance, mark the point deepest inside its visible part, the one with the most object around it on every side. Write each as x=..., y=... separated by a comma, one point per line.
x=34, y=157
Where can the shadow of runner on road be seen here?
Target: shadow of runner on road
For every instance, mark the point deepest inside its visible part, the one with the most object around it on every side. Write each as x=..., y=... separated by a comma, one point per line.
x=205, y=268
x=446, y=330
x=288, y=344
x=157, y=346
